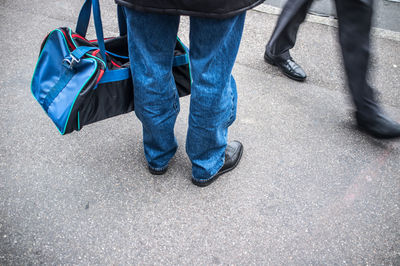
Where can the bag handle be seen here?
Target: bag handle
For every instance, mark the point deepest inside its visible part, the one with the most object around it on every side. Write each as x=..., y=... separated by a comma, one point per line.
x=99, y=27
x=84, y=17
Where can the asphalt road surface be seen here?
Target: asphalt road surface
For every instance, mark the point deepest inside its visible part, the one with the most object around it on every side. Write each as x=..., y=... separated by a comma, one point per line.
x=310, y=188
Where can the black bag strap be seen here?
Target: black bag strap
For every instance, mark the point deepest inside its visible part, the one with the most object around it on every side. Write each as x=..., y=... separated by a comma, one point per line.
x=122, y=21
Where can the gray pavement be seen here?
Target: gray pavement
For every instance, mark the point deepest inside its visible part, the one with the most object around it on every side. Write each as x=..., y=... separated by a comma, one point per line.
x=310, y=189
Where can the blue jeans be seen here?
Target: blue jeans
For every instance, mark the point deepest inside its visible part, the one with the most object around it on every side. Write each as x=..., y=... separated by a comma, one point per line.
x=213, y=48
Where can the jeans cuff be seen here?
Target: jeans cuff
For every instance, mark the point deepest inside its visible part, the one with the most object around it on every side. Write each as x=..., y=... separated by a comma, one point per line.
x=207, y=179
x=158, y=169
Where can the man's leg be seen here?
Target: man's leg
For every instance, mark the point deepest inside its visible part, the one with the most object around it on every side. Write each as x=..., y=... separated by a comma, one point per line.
x=284, y=37
x=354, y=35
x=152, y=39
x=214, y=45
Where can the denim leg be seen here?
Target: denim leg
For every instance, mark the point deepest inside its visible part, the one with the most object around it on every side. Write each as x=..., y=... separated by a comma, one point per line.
x=151, y=42
x=213, y=48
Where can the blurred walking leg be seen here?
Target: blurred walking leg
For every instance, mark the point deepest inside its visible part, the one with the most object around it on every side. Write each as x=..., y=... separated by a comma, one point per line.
x=354, y=35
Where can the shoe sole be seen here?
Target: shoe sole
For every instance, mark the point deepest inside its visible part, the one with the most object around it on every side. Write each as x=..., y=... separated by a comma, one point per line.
x=204, y=184
x=271, y=62
x=374, y=135
x=154, y=172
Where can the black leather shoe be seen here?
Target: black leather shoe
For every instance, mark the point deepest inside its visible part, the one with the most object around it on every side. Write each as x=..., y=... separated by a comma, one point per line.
x=288, y=67
x=233, y=153
x=379, y=126
x=156, y=172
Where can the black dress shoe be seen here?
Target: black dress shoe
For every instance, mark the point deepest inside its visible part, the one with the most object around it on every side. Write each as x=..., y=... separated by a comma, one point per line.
x=379, y=126
x=158, y=172
x=233, y=153
x=288, y=67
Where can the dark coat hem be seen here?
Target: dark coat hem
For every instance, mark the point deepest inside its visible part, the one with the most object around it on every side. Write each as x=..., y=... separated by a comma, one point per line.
x=171, y=11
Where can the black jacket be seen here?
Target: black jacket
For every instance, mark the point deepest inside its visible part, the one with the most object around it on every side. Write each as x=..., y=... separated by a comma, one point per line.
x=200, y=8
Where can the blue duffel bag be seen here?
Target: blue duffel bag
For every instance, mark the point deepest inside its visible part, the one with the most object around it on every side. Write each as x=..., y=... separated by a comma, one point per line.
x=78, y=82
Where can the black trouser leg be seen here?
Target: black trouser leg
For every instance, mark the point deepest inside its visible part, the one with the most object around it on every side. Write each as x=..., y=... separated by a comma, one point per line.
x=354, y=36
x=284, y=36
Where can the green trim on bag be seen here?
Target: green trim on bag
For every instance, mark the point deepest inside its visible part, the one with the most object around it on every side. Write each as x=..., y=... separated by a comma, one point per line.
x=188, y=59
x=41, y=53
x=37, y=63
x=79, y=124
x=73, y=103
